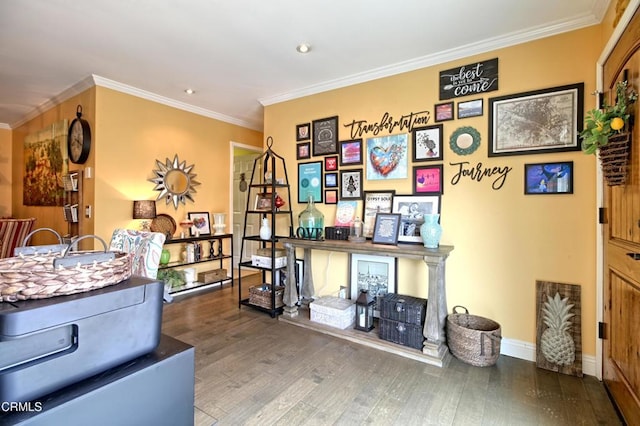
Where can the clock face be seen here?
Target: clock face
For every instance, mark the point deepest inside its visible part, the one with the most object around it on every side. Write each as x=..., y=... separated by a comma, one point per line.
x=79, y=141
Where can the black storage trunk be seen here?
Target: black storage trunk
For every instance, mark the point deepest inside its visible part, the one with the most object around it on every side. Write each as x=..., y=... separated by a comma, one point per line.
x=407, y=309
x=401, y=333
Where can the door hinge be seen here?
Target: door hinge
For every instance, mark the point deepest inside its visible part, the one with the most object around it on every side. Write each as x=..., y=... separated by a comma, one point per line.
x=601, y=330
x=602, y=215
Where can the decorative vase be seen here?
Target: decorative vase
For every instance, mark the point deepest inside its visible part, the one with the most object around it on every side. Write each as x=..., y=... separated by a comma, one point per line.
x=165, y=257
x=310, y=222
x=431, y=231
x=265, y=229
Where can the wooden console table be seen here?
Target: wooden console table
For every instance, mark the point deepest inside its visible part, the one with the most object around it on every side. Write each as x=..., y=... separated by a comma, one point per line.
x=435, y=348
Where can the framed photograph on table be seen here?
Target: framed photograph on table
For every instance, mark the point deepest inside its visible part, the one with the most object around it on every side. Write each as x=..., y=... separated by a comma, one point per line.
x=376, y=274
x=375, y=202
x=385, y=230
x=537, y=122
x=427, y=179
x=325, y=136
x=351, y=152
x=310, y=181
x=351, y=184
x=412, y=209
x=201, y=223
x=548, y=178
x=263, y=201
x=427, y=143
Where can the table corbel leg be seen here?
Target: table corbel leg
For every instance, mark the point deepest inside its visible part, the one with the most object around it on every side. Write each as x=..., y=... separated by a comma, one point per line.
x=436, y=315
x=290, y=296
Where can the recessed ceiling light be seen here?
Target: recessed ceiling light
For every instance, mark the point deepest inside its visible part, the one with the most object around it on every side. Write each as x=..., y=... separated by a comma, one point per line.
x=303, y=48
x=189, y=91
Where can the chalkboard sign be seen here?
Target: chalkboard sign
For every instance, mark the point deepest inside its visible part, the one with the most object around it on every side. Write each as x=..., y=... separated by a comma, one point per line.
x=470, y=79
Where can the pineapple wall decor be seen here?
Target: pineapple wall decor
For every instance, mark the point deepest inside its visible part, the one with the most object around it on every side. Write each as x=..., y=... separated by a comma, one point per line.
x=559, y=327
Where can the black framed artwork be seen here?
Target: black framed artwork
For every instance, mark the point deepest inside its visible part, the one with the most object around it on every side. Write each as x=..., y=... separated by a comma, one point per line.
x=536, y=122
x=387, y=226
x=351, y=152
x=427, y=143
x=303, y=132
x=548, y=178
x=351, y=184
x=325, y=136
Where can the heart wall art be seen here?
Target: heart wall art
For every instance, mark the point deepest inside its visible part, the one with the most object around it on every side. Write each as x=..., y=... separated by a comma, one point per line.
x=387, y=157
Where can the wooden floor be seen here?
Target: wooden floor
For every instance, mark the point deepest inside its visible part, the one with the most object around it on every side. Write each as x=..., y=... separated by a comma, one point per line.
x=253, y=369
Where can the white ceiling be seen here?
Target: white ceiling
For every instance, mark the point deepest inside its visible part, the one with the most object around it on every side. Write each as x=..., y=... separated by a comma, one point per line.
x=239, y=55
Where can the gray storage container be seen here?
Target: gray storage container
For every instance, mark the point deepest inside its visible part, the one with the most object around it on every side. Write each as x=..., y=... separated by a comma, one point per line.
x=50, y=343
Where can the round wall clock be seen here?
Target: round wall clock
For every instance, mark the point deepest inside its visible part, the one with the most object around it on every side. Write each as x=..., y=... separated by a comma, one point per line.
x=79, y=138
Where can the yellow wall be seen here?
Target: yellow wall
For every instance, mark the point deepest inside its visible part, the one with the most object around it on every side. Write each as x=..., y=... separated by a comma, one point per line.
x=504, y=241
x=5, y=172
x=51, y=217
x=133, y=133
x=128, y=135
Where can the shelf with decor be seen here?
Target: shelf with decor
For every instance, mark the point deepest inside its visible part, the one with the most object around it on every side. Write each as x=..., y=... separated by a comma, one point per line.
x=268, y=198
x=212, y=248
x=72, y=208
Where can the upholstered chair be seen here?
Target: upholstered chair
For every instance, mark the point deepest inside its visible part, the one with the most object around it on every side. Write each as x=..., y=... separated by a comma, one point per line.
x=12, y=234
x=145, y=248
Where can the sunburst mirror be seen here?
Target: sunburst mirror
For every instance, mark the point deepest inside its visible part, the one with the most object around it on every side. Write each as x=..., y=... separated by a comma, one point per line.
x=175, y=181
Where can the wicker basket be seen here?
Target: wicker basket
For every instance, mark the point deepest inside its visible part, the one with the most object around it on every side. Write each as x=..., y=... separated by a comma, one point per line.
x=260, y=295
x=614, y=159
x=473, y=339
x=41, y=276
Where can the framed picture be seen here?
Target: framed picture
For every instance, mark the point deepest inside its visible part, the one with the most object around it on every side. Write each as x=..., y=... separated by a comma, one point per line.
x=263, y=201
x=375, y=202
x=201, y=223
x=303, y=151
x=310, y=181
x=325, y=136
x=331, y=180
x=427, y=179
x=351, y=152
x=303, y=132
x=387, y=157
x=537, y=122
x=470, y=108
x=351, y=184
x=548, y=178
x=412, y=208
x=443, y=112
x=331, y=163
x=386, y=228
x=376, y=274
x=427, y=143
x=331, y=196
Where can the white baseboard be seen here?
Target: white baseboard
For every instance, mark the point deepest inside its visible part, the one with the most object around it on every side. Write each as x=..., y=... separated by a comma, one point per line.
x=527, y=351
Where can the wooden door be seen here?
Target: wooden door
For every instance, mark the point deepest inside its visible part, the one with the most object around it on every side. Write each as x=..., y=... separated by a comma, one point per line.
x=621, y=347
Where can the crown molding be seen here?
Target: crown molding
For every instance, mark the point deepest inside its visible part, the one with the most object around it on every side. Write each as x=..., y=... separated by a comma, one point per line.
x=133, y=91
x=5, y=126
x=480, y=47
